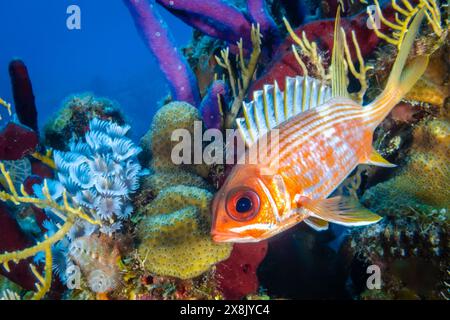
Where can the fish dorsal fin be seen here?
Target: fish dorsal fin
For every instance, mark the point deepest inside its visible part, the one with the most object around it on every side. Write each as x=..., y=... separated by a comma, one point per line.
x=271, y=106
x=339, y=79
x=377, y=159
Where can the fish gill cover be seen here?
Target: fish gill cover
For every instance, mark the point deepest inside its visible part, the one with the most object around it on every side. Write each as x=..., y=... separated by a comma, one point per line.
x=87, y=212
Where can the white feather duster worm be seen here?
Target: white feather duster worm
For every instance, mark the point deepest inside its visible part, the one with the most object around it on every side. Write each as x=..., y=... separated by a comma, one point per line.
x=101, y=171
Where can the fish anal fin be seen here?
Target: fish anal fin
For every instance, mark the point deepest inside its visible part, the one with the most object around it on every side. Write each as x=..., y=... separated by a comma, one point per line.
x=316, y=223
x=340, y=210
x=377, y=159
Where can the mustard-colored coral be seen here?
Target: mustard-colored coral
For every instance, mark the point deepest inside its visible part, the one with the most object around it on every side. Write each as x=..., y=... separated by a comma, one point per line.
x=173, y=116
x=427, y=173
x=175, y=230
x=162, y=180
x=433, y=88
x=175, y=234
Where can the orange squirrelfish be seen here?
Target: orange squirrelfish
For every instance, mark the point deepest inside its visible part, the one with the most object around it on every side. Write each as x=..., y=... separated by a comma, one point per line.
x=318, y=146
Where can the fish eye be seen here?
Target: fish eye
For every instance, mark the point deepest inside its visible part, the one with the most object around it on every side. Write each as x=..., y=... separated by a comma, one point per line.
x=242, y=204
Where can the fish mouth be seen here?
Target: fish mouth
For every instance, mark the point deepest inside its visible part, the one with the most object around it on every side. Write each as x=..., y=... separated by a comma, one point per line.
x=223, y=237
x=220, y=237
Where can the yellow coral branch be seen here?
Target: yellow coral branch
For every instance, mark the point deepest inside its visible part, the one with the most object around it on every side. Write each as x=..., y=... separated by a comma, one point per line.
x=48, y=202
x=361, y=74
x=239, y=86
x=225, y=63
x=6, y=105
x=44, y=282
x=308, y=49
x=300, y=61
x=400, y=26
x=16, y=256
x=46, y=158
x=65, y=211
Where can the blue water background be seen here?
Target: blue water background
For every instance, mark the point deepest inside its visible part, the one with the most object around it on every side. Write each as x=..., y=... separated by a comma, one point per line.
x=106, y=57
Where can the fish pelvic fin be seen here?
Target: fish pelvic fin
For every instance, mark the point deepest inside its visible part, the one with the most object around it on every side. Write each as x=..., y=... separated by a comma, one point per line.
x=377, y=159
x=316, y=223
x=339, y=80
x=345, y=211
x=402, y=78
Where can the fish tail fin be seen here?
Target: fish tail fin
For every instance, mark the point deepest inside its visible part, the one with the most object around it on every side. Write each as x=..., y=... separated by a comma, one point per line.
x=402, y=78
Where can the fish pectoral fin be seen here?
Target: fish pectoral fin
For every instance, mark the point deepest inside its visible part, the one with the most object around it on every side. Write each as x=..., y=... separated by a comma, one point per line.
x=340, y=210
x=316, y=223
x=377, y=159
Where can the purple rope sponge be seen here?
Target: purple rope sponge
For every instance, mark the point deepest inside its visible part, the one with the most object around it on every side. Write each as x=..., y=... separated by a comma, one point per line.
x=156, y=36
x=216, y=18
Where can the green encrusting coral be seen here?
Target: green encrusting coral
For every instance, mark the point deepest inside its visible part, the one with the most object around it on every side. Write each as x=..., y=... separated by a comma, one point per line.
x=174, y=232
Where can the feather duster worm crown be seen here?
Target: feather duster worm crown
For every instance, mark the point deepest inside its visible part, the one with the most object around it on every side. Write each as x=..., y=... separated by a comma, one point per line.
x=101, y=171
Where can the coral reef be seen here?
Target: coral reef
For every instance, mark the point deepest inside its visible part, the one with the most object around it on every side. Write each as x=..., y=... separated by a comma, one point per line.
x=425, y=174
x=24, y=103
x=145, y=237
x=432, y=89
x=404, y=246
x=13, y=238
x=240, y=82
x=72, y=119
x=19, y=170
x=284, y=63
